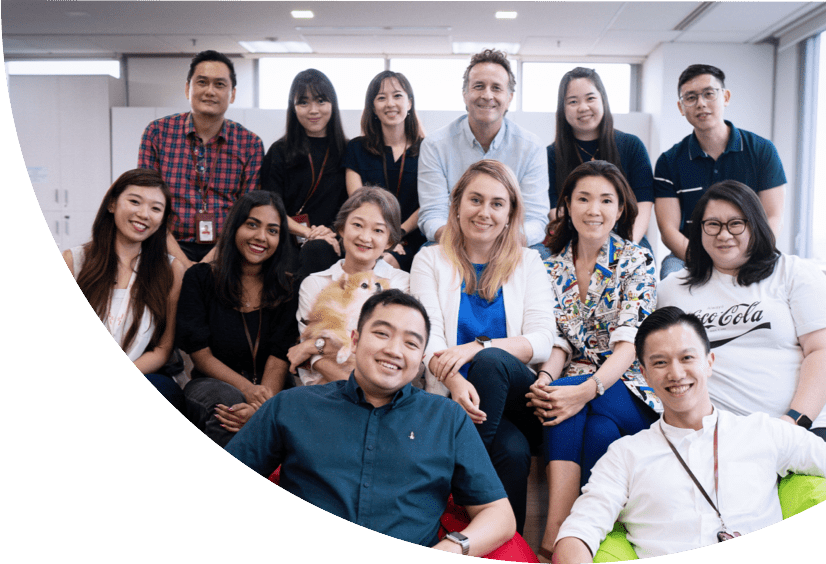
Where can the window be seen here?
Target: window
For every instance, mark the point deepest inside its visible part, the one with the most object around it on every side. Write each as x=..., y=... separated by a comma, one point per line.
x=64, y=67
x=818, y=248
x=350, y=77
x=437, y=83
x=540, y=84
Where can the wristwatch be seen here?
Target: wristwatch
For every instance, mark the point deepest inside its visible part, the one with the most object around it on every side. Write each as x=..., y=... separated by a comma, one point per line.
x=461, y=540
x=484, y=341
x=799, y=418
x=600, y=387
x=319, y=345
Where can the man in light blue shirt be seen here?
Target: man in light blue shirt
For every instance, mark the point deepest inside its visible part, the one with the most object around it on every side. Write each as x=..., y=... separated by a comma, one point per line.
x=484, y=133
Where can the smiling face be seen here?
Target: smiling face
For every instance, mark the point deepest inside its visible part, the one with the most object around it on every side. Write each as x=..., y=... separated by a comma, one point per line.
x=389, y=351
x=210, y=90
x=704, y=115
x=257, y=238
x=138, y=213
x=677, y=366
x=392, y=103
x=487, y=97
x=584, y=109
x=365, y=236
x=728, y=252
x=483, y=214
x=594, y=209
x=313, y=113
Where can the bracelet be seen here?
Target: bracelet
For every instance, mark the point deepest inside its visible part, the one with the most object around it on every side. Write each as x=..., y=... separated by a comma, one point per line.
x=404, y=233
x=548, y=373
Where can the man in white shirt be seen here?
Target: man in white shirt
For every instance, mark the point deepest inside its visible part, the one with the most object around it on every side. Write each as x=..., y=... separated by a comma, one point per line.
x=484, y=133
x=641, y=482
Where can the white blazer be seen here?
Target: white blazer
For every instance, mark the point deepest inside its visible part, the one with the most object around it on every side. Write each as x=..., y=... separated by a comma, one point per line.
x=529, y=305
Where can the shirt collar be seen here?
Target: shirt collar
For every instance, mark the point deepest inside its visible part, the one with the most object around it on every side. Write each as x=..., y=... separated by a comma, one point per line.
x=189, y=129
x=470, y=139
x=382, y=270
x=355, y=394
x=709, y=421
x=734, y=145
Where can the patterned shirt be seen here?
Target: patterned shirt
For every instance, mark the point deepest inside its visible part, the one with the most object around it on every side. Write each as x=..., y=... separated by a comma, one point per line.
x=228, y=165
x=621, y=294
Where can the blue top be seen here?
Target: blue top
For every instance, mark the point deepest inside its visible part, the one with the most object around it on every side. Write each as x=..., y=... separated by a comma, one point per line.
x=478, y=317
x=685, y=171
x=633, y=157
x=389, y=469
x=447, y=153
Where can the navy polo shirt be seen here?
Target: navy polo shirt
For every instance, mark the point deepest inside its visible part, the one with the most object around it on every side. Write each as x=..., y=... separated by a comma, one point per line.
x=633, y=157
x=685, y=171
x=389, y=469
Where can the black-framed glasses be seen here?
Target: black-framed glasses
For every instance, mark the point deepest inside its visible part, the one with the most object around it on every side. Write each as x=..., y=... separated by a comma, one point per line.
x=709, y=95
x=734, y=226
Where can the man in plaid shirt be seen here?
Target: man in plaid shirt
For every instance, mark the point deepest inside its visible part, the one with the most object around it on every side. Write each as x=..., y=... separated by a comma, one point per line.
x=207, y=161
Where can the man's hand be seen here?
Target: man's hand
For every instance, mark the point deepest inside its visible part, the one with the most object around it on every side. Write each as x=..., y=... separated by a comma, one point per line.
x=464, y=393
x=233, y=418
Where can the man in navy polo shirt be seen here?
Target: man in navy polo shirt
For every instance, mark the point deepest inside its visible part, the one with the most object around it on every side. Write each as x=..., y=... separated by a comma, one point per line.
x=375, y=450
x=715, y=151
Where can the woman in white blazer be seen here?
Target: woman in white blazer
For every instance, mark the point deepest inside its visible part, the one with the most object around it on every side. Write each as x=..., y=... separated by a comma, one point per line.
x=490, y=304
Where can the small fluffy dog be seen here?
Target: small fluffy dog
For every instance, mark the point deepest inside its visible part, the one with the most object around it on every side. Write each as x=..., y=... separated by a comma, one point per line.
x=336, y=311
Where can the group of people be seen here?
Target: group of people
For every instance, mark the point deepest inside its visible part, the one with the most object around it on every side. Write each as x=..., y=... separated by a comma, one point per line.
x=521, y=287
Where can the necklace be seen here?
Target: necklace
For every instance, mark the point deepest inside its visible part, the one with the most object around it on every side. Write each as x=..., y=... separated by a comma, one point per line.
x=592, y=155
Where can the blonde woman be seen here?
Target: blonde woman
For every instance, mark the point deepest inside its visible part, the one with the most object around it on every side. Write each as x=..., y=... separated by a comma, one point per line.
x=491, y=309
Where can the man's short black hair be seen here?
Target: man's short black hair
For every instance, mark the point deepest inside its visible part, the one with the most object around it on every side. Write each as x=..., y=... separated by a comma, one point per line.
x=393, y=297
x=665, y=318
x=694, y=71
x=211, y=55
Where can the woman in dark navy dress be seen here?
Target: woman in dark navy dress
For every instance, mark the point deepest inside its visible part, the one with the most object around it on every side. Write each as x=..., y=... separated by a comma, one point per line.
x=387, y=155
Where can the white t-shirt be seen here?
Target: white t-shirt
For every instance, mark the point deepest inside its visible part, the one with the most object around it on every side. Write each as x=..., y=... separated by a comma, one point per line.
x=754, y=332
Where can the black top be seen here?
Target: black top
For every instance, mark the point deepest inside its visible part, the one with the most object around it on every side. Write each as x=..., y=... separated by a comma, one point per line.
x=293, y=182
x=369, y=167
x=203, y=321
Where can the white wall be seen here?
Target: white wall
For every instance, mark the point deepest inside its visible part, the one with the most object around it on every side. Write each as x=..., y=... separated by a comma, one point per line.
x=786, y=113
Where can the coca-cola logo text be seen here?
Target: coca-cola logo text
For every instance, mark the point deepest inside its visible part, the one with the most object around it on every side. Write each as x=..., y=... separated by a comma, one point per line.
x=738, y=314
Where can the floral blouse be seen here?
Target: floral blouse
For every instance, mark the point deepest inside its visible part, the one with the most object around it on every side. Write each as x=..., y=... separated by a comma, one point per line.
x=621, y=293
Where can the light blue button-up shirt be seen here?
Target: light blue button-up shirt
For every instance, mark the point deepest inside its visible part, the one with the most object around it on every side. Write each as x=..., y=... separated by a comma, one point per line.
x=446, y=155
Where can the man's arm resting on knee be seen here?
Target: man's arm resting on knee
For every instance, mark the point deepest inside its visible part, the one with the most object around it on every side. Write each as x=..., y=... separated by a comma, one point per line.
x=491, y=526
x=571, y=550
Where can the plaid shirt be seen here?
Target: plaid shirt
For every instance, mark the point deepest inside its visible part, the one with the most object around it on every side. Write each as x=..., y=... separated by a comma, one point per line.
x=232, y=162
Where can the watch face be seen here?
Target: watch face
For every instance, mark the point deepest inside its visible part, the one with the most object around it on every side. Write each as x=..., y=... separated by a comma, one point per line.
x=458, y=536
x=319, y=343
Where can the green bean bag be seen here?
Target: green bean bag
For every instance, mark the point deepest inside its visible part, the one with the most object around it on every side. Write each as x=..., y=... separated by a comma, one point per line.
x=797, y=493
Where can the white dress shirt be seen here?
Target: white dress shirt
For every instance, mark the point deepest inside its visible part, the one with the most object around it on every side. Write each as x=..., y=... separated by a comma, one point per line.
x=640, y=482
x=446, y=154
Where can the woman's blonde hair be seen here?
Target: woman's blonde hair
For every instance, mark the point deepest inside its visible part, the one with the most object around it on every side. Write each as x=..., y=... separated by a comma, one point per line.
x=506, y=253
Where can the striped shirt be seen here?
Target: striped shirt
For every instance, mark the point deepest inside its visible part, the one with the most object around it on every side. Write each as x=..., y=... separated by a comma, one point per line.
x=227, y=166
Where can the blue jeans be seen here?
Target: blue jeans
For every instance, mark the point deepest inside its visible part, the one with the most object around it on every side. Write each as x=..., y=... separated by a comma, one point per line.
x=586, y=436
x=511, y=429
x=670, y=265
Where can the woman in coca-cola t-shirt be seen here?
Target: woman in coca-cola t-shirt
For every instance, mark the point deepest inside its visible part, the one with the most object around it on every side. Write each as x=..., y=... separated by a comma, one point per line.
x=763, y=310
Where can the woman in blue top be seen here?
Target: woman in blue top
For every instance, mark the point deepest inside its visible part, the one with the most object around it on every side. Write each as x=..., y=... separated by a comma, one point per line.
x=585, y=132
x=604, y=287
x=387, y=155
x=490, y=305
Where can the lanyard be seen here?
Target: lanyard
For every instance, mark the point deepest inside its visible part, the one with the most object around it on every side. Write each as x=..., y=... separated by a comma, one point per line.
x=313, y=180
x=401, y=170
x=201, y=182
x=690, y=473
x=253, y=348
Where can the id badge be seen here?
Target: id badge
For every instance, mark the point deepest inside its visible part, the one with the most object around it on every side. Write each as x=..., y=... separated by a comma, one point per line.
x=205, y=228
x=301, y=219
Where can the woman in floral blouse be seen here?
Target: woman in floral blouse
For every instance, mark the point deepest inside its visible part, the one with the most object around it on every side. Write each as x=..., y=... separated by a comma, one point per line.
x=604, y=287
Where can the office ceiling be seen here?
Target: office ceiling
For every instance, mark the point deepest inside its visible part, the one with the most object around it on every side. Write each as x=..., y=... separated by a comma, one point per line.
x=603, y=30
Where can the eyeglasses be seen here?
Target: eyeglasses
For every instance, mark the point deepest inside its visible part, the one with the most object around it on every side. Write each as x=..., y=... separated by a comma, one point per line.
x=709, y=95
x=734, y=226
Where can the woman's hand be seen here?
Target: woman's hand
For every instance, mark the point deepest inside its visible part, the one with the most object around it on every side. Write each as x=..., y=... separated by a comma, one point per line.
x=539, y=396
x=464, y=393
x=448, y=361
x=256, y=395
x=298, y=354
x=561, y=402
x=325, y=233
x=233, y=418
x=399, y=249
